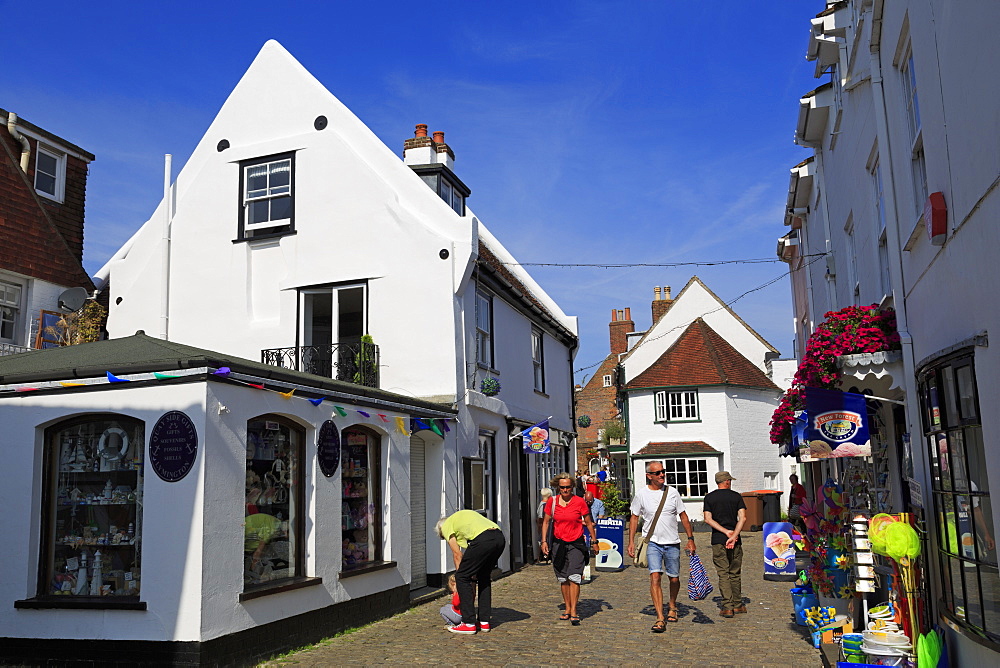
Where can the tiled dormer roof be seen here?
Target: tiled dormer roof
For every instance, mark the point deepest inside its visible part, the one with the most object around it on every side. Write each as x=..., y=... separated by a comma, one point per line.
x=700, y=356
x=673, y=448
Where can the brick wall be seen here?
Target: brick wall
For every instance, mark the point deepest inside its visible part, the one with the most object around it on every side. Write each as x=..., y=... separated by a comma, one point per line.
x=597, y=402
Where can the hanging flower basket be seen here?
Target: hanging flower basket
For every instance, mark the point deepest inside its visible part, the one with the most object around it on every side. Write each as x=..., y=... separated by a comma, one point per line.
x=593, y=454
x=583, y=421
x=490, y=386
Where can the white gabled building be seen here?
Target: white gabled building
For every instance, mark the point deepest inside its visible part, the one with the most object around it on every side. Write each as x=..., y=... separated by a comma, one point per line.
x=698, y=396
x=898, y=206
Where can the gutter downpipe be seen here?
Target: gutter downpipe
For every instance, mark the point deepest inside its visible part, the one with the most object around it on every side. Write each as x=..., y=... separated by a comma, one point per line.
x=896, y=257
x=165, y=250
x=25, y=146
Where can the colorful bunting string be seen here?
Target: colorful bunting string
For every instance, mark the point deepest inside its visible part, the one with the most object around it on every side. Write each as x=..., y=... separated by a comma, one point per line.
x=72, y=384
x=382, y=417
x=115, y=379
x=222, y=371
x=163, y=376
x=368, y=415
x=401, y=426
x=341, y=410
x=317, y=402
x=288, y=394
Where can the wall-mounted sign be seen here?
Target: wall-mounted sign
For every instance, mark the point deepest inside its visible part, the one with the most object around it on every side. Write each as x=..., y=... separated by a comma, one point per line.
x=328, y=448
x=173, y=446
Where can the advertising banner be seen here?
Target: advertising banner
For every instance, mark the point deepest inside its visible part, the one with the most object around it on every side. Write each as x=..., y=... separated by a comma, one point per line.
x=836, y=426
x=779, y=552
x=611, y=541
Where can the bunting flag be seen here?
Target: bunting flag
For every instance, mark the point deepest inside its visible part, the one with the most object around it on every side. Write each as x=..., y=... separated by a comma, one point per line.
x=444, y=423
x=382, y=417
x=401, y=426
x=163, y=376
x=421, y=423
x=341, y=411
x=115, y=379
x=367, y=415
x=536, y=438
x=288, y=394
x=317, y=402
x=222, y=371
x=259, y=387
x=72, y=384
x=435, y=428
x=26, y=389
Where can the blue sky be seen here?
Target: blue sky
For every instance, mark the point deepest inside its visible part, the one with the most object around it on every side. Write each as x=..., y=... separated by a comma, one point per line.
x=589, y=132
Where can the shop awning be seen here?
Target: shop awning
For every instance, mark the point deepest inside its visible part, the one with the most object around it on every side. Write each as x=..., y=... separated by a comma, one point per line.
x=880, y=372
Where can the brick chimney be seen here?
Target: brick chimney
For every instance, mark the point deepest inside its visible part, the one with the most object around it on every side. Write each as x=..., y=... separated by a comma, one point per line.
x=661, y=301
x=621, y=326
x=424, y=150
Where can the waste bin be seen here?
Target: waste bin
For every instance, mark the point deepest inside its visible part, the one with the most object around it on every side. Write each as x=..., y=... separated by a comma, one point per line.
x=755, y=511
x=771, y=502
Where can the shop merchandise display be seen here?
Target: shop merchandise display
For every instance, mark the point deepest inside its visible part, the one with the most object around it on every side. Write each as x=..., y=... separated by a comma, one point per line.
x=269, y=506
x=97, y=509
x=356, y=506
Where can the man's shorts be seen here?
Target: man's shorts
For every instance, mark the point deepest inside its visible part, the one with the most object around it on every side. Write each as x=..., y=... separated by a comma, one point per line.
x=664, y=559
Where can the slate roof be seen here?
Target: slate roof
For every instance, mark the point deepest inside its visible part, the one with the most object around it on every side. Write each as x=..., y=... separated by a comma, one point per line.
x=672, y=448
x=700, y=356
x=145, y=354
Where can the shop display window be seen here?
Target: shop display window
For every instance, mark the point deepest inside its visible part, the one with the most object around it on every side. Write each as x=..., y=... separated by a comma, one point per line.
x=273, y=522
x=966, y=547
x=361, y=516
x=92, y=536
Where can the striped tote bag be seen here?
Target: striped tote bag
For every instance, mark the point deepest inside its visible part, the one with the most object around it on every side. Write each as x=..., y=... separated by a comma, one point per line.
x=699, y=585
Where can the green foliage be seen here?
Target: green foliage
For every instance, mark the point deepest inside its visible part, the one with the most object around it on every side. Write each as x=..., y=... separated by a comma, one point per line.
x=365, y=362
x=614, y=502
x=614, y=430
x=83, y=326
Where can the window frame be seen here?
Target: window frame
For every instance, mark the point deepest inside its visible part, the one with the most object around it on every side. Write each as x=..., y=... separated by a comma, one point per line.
x=59, y=177
x=538, y=359
x=484, y=337
x=671, y=478
x=18, y=310
x=296, y=500
x=248, y=231
x=666, y=401
x=952, y=420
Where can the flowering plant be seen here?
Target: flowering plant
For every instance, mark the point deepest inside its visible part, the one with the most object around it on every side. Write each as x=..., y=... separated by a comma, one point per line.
x=593, y=454
x=490, y=386
x=851, y=330
x=583, y=421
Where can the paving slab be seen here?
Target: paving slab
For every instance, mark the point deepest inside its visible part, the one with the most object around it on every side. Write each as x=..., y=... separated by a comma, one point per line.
x=616, y=616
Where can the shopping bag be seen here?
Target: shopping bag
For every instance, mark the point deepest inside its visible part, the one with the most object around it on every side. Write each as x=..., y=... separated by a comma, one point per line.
x=698, y=586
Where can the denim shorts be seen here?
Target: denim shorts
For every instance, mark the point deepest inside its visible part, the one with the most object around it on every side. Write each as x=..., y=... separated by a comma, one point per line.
x=664, y=558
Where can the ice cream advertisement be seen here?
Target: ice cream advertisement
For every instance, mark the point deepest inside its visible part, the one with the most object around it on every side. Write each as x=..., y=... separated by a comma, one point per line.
x=836, y=426
x=779, y=552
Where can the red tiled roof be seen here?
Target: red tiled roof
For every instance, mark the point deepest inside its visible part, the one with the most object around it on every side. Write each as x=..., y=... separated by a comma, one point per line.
x=671, y=448
x=701, y=357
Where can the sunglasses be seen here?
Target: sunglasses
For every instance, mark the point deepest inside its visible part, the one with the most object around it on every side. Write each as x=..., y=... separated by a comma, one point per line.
x=565, y=486
x=660, y=472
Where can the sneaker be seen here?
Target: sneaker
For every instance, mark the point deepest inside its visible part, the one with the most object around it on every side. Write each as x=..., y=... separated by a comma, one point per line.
x=741, y=610
x=484, y=627
x=467, y=629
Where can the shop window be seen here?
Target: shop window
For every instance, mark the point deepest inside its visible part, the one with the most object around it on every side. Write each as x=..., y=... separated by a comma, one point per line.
x=92, y=509
x=274, y=519
x=361, y=507
x=689, y=476
x=966, y=552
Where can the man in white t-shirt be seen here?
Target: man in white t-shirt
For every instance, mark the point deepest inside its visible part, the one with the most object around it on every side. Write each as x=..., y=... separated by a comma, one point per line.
x=664, y=549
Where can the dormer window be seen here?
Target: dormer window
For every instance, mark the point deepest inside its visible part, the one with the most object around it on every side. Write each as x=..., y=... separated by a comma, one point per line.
x=441, y=180
x=267, y=197
x=50, y=173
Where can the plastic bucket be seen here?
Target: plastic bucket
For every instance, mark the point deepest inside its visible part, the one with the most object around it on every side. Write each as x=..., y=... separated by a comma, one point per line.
x=802, y=600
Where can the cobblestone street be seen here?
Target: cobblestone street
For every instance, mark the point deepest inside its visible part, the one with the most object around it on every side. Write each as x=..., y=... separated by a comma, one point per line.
x=615, y=630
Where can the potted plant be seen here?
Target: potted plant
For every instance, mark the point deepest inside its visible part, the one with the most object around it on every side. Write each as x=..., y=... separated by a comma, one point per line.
x=613, y=432
x=615, y=504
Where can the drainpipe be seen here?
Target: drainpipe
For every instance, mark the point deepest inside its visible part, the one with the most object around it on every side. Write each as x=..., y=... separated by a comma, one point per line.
x=25, y=146
x=165, y=250
x=896, y=255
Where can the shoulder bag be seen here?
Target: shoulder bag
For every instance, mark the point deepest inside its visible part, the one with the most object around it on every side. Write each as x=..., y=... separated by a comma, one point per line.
x=640, y=559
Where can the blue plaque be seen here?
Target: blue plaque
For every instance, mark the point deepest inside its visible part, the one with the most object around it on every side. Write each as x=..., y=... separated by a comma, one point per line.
x=611, y=541
x=328, y=448
x=173, y=446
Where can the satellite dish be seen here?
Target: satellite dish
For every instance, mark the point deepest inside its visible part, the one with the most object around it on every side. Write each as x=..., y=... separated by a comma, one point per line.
x=72, y=300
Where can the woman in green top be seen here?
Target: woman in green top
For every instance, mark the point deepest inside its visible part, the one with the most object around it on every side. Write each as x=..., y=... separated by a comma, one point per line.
x=483, y=543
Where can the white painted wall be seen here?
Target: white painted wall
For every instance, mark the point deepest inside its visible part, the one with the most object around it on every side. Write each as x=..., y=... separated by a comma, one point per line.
x=36, y=295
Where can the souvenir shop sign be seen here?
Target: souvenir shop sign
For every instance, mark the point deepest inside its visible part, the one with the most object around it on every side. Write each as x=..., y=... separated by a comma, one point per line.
x=328, y=448
x=173, y=446
x=779, y=552
x=836, y=426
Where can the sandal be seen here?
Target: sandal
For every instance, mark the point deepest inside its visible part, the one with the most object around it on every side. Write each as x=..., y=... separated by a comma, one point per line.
x=574, y=620
x=564, y=617
x=659, y=626
x=672, y=615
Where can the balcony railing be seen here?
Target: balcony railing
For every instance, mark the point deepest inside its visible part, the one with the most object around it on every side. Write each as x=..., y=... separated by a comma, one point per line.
x=11, y=349
x=350, y=362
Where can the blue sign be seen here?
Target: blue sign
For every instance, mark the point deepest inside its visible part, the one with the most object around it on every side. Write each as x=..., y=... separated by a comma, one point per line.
x=173, y=446
x=328, y=448
x=611, y=541
x=836, y=426
x=779, y=552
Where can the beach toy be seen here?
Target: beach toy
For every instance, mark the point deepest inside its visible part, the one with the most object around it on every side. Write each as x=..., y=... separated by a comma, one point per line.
x=876, y=532
x=928, y=649
x=901, y=541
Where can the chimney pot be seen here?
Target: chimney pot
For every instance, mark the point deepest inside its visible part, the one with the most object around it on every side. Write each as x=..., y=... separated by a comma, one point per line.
x=656, y=293
x=628, y=313
x=439, y=137
x=666, y=292
x=421, y=130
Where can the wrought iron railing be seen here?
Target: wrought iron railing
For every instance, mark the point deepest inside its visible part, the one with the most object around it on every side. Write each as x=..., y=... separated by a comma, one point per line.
x=351, y=362
x=11, y=349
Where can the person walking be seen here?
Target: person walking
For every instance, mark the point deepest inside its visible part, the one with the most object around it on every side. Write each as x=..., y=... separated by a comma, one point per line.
x=569, y=552
x=546, y=494
x=726, y=512
x=796, y=497
x=483, y=543
x=664, y=549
